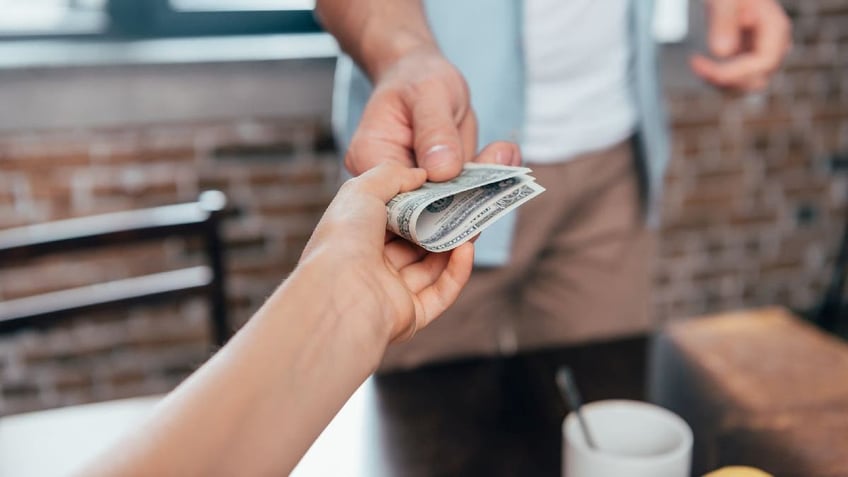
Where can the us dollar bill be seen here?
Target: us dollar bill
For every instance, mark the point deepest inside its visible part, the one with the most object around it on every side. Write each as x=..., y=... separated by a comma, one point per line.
x=440, y=216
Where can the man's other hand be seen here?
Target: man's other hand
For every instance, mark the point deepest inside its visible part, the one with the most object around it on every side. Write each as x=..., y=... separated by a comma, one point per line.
x=749, y=39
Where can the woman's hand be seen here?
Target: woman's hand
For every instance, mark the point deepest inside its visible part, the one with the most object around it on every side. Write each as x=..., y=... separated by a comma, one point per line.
x=370, y=272
x=258, y=404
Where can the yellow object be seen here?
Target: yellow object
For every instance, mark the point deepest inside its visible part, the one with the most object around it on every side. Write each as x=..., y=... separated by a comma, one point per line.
x=738, y=471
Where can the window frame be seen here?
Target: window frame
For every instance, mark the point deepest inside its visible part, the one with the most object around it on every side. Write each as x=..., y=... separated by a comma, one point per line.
x=141, y=19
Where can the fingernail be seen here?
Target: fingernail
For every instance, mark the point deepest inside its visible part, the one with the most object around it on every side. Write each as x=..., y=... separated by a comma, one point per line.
x=437, y=157
x=505, y=157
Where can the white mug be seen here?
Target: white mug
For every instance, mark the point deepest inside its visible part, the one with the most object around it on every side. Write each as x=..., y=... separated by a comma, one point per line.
x=633, y=439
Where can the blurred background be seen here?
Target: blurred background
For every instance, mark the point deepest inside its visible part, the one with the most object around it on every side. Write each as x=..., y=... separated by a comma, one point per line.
x=110, y=106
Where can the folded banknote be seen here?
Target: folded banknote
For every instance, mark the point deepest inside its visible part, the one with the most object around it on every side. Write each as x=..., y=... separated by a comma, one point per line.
x=440, y=216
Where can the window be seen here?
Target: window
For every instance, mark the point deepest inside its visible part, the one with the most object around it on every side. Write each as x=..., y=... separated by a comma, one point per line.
x=153, y=18
x=51, y=17
x=241, y=5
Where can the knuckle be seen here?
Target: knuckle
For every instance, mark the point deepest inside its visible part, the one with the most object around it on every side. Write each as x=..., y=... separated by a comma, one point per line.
x=355, y=162
x=464, y=100
x=350, y=163
x=435, y=133
x=421, y=89
x=350, y=186
x=720, y=77
x=442, y=81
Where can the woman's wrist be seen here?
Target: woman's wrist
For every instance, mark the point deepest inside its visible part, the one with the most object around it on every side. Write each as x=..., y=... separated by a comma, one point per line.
x=343, y=294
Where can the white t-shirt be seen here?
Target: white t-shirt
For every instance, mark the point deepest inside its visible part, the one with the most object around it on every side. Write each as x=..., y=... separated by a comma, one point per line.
x=578, y=77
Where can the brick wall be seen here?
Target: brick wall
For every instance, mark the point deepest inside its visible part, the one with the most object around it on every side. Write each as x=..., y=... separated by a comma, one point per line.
x=752, y=215
x=278, y=174
x=753, y=210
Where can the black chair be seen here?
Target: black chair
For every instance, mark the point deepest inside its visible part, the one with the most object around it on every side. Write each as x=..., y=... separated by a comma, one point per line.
x=195, y=219
x=831, y=313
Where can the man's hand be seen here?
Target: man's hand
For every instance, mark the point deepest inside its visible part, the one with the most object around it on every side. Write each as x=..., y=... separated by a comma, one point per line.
x=750, y=38
x=420, y=115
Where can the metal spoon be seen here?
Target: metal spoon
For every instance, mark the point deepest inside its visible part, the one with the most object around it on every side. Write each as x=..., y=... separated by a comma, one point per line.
x=571, y=395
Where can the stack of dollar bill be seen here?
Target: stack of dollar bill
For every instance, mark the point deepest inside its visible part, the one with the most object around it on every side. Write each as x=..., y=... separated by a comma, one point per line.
x=441, y=216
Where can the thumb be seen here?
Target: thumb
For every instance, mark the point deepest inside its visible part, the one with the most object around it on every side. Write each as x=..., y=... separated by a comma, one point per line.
x=724, y=34
x=388, y=180
x=380, y=137
x=436, y=138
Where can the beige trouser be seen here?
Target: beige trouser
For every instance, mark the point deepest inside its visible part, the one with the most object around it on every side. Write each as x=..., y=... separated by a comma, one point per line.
x=579, y=270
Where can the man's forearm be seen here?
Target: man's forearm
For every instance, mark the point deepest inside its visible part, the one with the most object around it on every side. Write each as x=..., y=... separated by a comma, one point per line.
x=375, y=33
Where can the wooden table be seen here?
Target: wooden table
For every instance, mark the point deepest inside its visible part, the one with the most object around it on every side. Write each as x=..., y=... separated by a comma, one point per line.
x=479, y=417
x=759, y=387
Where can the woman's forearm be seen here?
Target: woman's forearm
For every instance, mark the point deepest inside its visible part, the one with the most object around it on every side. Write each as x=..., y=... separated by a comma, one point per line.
x=375, y=33
x=256, y=406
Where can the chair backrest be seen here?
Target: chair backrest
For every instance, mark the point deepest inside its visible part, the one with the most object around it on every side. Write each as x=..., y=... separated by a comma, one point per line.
x=831, y=312
x=195, y=219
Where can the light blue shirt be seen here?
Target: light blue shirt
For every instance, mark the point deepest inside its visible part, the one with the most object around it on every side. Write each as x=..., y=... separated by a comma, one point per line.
x=483, y=38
